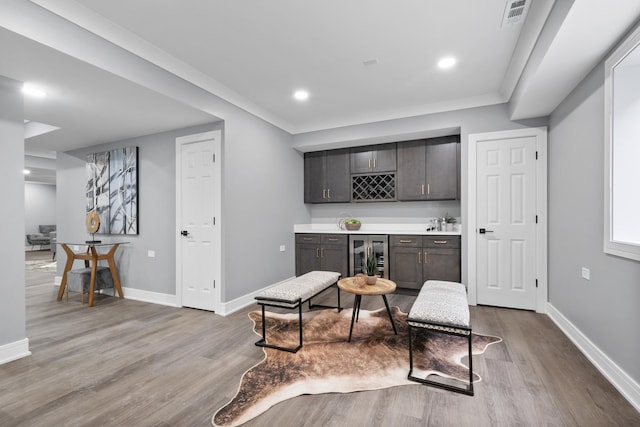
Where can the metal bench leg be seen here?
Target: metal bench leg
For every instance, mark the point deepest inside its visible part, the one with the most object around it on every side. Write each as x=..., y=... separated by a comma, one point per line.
x=263, y=342
x=468, y=389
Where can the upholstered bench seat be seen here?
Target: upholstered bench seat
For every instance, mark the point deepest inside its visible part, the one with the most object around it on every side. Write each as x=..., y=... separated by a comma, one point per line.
x=441, y=303
x=300, y=288
x=293, y=294
x=441, y=306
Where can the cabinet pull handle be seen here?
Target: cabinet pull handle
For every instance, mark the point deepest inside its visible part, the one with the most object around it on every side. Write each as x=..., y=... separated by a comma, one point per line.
x=328, y=193
x=422, y=189
x=425, y=257
x=307, y=238
x=369, y=167
x=317, y=252
x=428, y=188
x=374, y=163
x=419, y=257
x=332, y=239
x=405, y=241
x=440, y=242
x=324, y=193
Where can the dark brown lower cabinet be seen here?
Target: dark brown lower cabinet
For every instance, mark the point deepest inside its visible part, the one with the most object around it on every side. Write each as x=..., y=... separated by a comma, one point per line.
x=416, y=259
x=328, y=252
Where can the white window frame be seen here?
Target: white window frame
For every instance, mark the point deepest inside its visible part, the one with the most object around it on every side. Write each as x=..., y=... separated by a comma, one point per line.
x=611, y=246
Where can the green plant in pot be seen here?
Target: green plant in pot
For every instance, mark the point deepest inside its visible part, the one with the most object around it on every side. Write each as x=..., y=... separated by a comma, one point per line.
x=450, y=221
x=371, y=268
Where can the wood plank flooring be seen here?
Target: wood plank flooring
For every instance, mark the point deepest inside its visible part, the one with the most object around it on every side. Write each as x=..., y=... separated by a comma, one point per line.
x=128, y=363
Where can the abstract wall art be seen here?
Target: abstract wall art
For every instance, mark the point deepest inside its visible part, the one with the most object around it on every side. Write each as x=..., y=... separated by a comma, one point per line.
x=112, y=189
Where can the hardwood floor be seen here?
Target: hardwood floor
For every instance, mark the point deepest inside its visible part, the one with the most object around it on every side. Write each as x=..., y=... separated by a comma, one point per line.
x=128, y=363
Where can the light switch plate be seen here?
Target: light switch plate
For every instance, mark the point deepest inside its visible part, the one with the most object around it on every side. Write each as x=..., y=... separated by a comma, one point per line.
x=282, y=248
x=151, y=254
x=586, y=273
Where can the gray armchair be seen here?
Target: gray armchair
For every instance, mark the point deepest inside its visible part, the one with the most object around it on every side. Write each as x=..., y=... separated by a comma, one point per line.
x=43, y=237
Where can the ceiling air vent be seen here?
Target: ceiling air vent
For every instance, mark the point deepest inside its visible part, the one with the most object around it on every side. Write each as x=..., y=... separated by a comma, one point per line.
x=514, y=11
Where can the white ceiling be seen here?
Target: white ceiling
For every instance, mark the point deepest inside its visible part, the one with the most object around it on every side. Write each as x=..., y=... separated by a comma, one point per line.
x=256, y=53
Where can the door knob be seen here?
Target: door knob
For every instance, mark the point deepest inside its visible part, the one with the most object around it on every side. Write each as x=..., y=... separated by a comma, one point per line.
x=184, y=232
x=484, y=230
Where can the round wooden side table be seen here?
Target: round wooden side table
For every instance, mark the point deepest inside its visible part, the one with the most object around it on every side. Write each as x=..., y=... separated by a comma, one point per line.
x=358, y=287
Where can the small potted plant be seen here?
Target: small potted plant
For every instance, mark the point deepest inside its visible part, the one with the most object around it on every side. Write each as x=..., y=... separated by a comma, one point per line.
x=371, y=268
x=451, y=221
x=352, y=224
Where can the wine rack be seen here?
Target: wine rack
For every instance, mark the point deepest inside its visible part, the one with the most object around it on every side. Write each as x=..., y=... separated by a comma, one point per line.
x=381, y=187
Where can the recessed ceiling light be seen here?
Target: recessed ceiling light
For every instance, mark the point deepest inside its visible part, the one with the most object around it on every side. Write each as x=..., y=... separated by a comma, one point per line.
x=26, y=171
x=448, y=62
x=33, y=91
x=301, y=95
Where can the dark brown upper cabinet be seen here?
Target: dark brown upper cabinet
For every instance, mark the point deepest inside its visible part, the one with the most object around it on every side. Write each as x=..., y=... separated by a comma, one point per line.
x=327, y=178
x=373, y=158
x=429, y=169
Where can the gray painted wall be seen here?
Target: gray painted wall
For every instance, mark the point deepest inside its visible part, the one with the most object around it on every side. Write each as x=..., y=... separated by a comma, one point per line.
x=606, y=308
x=469, y=121
x=12, y=302
x=39, y=207
x=262, y=199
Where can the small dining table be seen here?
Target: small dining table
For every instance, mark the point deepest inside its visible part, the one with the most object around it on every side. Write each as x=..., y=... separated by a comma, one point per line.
x=91, y=257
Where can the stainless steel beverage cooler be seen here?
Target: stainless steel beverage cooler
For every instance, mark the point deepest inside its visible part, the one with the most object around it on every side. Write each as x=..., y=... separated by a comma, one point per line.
x=362, y=247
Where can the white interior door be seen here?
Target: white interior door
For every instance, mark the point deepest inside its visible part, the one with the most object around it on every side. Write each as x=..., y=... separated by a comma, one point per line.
x=506, y=222
x=198, y=248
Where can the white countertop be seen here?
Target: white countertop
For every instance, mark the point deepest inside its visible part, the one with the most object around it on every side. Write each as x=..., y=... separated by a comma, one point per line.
x=411, y=229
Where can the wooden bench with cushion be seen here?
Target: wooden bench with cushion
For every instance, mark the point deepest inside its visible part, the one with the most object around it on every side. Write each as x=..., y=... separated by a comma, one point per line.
x=293, y=294
x=443, y=307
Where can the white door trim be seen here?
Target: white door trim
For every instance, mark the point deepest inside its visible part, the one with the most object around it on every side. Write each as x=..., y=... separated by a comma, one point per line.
x=541, y=194
x=216, y=135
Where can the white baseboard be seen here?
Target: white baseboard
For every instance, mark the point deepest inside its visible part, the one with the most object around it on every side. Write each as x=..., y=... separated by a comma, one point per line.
x=226, y=308
x=626, y=385
x=149, y=296
x=15, y=350
x=223, y=308
x=140, y=295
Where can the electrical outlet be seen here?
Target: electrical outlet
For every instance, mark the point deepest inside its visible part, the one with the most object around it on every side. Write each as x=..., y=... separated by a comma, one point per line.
x=151, y=254
x=586, y=273
x=282, y=248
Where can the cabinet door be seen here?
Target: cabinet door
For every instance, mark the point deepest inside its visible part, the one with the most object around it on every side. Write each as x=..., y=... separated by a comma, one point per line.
x=442, y=169
x=337, y=176
x=335, y=253
x=314, y=185
x=441, y=264
x=335, y=258
x=406, y=266
x=384, y=158
x=411, y=171
x=307, y=258
x=361, y=160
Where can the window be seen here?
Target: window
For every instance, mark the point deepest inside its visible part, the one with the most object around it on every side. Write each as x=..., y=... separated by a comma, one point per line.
x=622, y=150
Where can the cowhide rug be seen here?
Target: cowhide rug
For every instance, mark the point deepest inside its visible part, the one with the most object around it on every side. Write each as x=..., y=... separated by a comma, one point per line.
x=327, y=363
